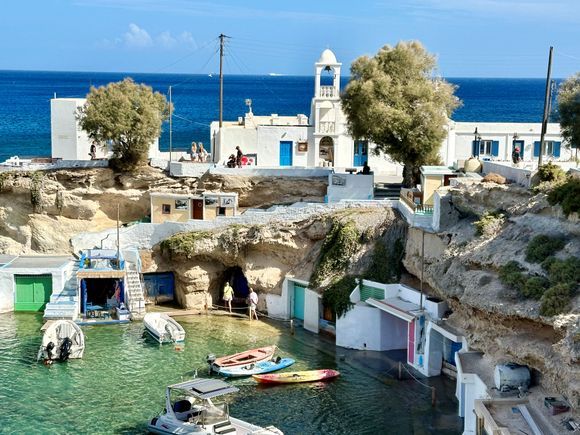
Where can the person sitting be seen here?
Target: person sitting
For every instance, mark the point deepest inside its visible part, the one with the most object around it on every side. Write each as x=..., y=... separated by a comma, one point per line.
x=193, y=152
x=202, y=153
x=366, y=170
x=231, y=161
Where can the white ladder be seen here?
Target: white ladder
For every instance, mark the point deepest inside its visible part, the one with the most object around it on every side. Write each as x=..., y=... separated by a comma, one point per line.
x=135, y=298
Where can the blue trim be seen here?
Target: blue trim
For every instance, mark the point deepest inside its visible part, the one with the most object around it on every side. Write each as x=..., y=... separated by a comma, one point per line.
x=495, y=148
x=286, y=152
x=536, y=149
x=557, y=146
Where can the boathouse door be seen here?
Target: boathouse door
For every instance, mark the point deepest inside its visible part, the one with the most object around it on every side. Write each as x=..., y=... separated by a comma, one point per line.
x=298, y=310
x=360, y=153
x=32, y=292
x=197, y=209
x=286, y=153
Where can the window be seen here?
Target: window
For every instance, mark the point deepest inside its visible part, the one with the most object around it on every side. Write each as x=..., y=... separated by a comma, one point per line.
x=166, y=209
x=181, y=204
x=548, y=147
x=221, y=211
x=485, y=147
x=551, y=148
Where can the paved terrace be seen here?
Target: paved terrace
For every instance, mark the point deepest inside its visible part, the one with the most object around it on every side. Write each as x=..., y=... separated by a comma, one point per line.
x=147, y=235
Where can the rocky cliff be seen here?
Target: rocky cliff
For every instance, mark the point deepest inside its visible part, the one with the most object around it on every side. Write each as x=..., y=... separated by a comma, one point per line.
x=41, y=211
x=463, y=267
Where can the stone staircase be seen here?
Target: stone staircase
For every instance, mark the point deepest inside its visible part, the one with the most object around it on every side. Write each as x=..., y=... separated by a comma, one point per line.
x=135, y=298
x=64, y=304
x=387, y=190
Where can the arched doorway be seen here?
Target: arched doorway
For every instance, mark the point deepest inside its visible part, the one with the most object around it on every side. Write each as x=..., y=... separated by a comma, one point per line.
x=235, y=276
x=326, y=151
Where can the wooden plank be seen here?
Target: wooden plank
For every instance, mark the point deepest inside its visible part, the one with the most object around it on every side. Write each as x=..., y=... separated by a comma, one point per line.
x=530, y=420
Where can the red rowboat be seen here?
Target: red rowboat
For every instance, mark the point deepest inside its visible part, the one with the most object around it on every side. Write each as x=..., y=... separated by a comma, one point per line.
x=296, y=377
x=248, y=357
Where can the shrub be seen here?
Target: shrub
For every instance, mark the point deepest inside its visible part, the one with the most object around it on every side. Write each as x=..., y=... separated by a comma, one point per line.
x=339, y=246
x=511, y=275
x=541, y=247
x=551, y=172
x=489, y=224
x=556, y=300
x=535, y=287
x=564, y=271
x=337, y=295
x=567, y=195
x=386, y=263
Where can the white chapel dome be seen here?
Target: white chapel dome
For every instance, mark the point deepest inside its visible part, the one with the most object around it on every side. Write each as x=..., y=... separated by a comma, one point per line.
x=327, y=57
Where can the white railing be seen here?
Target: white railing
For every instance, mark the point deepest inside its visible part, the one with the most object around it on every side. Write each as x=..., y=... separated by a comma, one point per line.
x=327, y=92
x=326, y=127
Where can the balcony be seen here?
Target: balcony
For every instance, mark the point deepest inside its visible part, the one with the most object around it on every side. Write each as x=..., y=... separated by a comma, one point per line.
x=327, y=92
x=417, y=208
x=326, y=127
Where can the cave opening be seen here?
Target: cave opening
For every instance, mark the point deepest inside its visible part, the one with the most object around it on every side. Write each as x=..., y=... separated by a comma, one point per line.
x=235, y=276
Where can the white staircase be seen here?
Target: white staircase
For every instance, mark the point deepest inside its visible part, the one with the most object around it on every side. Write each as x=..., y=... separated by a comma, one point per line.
x=135, y=298
x=64, y=304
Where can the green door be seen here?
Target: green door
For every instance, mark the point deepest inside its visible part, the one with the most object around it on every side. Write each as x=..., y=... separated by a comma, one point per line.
x=299, y=301
x=32, y=292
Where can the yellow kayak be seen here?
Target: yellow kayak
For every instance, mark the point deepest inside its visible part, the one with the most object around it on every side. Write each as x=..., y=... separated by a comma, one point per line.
x=295, y=377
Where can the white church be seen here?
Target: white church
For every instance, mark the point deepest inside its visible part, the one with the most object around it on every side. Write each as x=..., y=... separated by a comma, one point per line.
x=322, y=139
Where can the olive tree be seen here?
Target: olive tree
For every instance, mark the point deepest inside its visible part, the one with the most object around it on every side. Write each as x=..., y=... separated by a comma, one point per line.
x=126, y=115
x=394, y=101
x=569, y=110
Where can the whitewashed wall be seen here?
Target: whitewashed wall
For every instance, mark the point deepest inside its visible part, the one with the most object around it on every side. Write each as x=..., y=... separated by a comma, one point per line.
x=68, y=140
x=311, y=310
x=357, y=186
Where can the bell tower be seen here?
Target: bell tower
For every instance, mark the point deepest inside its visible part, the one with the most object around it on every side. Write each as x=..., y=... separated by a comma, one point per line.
x=325, y=115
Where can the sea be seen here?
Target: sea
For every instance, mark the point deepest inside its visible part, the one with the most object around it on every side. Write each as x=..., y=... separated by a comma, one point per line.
x=25, y=102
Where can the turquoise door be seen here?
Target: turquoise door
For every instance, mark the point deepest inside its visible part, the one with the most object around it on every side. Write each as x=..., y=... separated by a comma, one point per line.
x=285, y=153
x=298, y=302
x=360, y=152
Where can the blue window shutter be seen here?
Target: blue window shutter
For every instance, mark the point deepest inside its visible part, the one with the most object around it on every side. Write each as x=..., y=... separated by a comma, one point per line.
x=474, y=148
x=536, y=149
x=557, y=149
x=495, y=148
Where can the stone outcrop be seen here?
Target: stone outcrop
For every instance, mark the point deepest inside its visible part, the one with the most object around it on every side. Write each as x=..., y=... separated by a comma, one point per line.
x=462, y=267
x=265, y=254
x=75, y=201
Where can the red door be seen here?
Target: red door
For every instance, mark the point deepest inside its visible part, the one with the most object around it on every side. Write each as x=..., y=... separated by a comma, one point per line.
x=197, y=212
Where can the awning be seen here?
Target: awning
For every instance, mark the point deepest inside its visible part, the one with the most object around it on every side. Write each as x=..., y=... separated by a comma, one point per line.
x=395, y=306
x=205, y=388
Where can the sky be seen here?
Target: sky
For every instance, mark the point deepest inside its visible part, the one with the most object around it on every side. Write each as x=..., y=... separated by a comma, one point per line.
x=471, y=38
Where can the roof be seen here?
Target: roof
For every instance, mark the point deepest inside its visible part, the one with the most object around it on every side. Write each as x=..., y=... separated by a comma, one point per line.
x=205, y=388
x=39, y=262
x=105, y=254
x=327, y=57
x=395, y=306
x=5, y=259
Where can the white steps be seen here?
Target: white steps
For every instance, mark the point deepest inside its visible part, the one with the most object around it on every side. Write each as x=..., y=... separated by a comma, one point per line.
x=64, y=304
x=135, y=298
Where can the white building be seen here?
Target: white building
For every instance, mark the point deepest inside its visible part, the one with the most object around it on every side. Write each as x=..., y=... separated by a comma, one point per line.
x=323, y=140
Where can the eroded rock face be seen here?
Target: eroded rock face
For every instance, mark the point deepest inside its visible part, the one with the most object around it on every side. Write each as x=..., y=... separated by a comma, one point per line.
x=462, y=267
x=85, y=200
x=265, y=254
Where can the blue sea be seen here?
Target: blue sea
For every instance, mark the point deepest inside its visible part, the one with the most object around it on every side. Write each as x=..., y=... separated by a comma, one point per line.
x=25, y=102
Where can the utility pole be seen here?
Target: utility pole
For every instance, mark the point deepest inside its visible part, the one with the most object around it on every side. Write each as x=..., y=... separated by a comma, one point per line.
x=170, y=128
x=222, y=44
x=422, y=266
x=547, y=99
x=118, y=239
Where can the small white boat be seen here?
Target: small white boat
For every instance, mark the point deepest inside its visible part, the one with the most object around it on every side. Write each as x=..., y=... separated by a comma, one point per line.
x=62, y=340
x=189, y=409
x=163, y=328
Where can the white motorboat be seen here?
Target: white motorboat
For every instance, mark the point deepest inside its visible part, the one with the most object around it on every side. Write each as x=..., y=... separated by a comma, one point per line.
x=189, y=409
x=62, y=340
x=163, y=328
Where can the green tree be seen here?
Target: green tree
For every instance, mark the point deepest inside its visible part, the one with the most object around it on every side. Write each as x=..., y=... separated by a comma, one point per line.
x=393, y=100
x=569, y=109
x=127, y=115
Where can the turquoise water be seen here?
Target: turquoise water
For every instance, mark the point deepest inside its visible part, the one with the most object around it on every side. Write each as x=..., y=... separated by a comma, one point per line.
x=119, y=384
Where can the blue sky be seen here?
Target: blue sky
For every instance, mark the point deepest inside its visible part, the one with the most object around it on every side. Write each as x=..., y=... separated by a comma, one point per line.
x=472, y=38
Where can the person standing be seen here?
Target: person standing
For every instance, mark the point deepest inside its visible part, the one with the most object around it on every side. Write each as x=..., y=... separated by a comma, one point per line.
x=93, y=152
x=253, y=300
x=193, y=152
x=228, y=295
x=239, y=156
x=516, y=156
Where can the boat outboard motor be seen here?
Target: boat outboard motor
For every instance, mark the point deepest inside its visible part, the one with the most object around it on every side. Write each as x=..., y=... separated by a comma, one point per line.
x=49, y=348
x=210, y=360
x=65, y=348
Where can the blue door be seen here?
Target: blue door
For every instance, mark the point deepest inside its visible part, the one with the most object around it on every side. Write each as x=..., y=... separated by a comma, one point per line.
x=159, y=286
x=285, y=153
x=360, y=152
x=298, y=302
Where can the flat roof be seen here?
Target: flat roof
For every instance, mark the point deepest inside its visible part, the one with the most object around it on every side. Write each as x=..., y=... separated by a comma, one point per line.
x=205, y=388
x=437, y=170
x=39, y=262
x=395, y=306
x=4, y=259
x=190, y=195
x=475, y=363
